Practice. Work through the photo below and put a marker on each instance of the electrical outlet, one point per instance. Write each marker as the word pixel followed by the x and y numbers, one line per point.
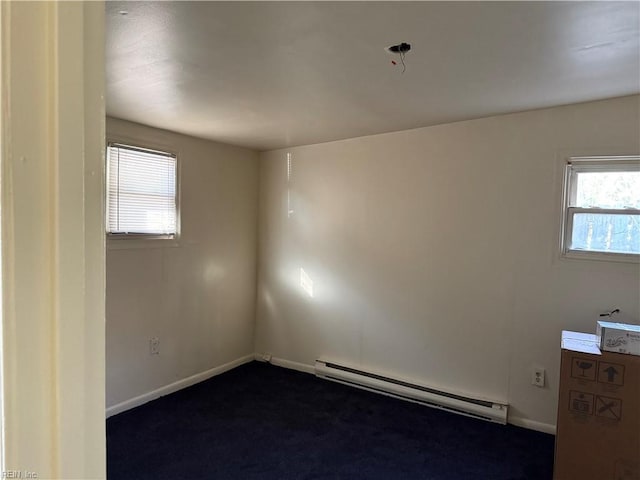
pixel 154 346
pixel 266 357
pixel 537 376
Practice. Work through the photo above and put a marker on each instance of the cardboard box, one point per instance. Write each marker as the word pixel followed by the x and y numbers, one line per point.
pixel 598 428
pixel 619 337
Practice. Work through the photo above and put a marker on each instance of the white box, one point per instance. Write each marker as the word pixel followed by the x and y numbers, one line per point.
pixel 580 342
pixel 619 337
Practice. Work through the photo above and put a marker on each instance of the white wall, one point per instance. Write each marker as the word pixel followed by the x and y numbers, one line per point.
pixel 433 252
pixel 198 297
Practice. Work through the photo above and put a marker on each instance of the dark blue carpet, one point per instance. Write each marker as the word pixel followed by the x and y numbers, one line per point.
pixel 263 422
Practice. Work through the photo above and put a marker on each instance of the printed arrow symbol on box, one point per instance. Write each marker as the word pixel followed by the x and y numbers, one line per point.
pixel 611 373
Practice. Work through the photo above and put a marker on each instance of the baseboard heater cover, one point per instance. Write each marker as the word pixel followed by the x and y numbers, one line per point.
pixel 472 407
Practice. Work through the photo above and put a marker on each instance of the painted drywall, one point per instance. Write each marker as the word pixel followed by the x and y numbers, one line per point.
pixel 53 265
pixel 197 297
pixel 434 252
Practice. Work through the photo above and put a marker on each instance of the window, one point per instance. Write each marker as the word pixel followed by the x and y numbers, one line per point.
pixel 602 208
pixel 141 192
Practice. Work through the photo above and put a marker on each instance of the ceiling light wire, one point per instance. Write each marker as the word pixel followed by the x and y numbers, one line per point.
pixel 400 50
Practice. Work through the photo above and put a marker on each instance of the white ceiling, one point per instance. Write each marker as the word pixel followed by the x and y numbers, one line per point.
pixel 275 74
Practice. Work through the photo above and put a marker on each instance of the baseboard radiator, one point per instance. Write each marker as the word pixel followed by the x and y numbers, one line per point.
pixel 472 407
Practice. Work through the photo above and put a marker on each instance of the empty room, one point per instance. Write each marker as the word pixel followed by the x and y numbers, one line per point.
pixel 321 240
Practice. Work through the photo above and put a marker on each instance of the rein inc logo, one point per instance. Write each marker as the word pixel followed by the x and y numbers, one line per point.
pixel 19 474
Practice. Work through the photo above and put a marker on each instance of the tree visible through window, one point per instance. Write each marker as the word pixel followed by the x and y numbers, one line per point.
pixel 602 206
pixel 141 192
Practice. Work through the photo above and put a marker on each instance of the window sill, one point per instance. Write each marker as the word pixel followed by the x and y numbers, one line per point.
pixel 602 256
pixel 135 242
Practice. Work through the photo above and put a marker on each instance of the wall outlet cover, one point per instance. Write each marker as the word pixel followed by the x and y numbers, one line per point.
pixel 537 377
pixel 154 346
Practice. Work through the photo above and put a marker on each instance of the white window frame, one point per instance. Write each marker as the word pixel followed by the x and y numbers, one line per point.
pixel 576 165
pixel 138 240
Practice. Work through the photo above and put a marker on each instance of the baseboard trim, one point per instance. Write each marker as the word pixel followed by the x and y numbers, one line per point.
pixel 175 386
pixel 281 362
pixel 302 367
pixel 532 425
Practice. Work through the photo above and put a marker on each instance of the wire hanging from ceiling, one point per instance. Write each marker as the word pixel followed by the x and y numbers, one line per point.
pixel 401 50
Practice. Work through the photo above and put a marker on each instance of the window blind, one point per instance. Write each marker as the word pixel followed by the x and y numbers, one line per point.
pixel 141 191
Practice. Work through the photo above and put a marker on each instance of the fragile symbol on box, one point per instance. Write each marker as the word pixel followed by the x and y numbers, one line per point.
pixel 581 402
pixel 608 407
pixel 583 369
